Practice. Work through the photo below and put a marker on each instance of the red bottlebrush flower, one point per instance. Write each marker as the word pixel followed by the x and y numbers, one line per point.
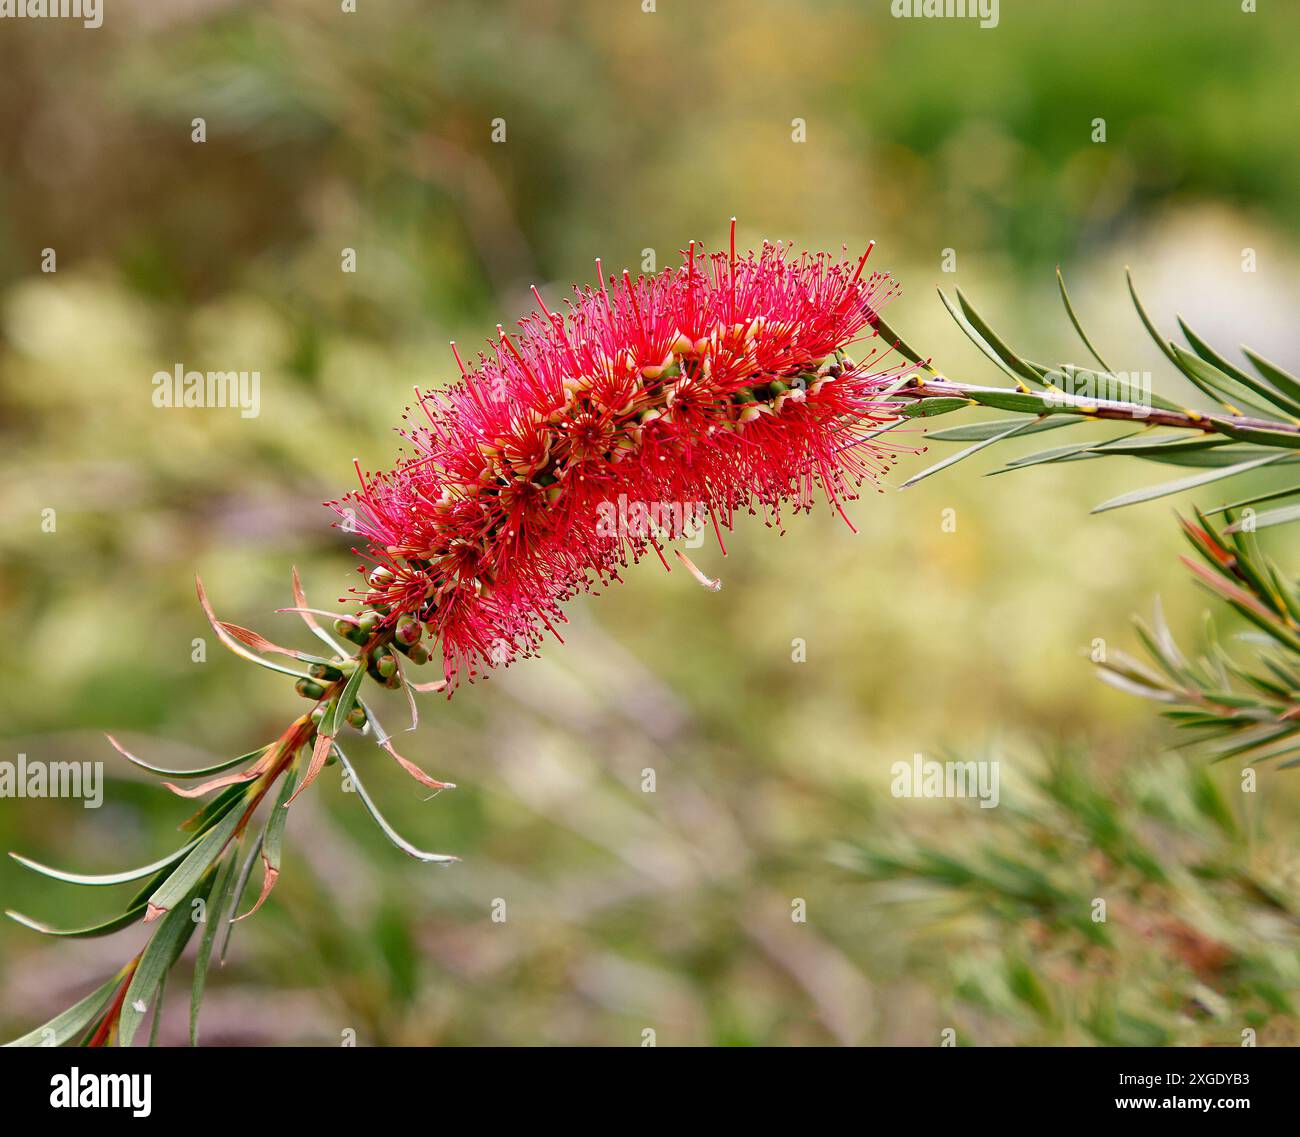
pixel 718 386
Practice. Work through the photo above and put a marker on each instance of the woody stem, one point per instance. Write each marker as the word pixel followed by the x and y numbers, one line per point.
pixel 1058 402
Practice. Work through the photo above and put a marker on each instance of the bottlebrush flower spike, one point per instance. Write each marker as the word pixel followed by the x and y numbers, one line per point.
pixel 718 386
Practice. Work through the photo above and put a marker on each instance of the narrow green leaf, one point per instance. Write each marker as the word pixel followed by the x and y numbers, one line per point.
pixel 1132 687
pixel 976 431
pixel 338 713
pixel 380 734
pixel 1282 380
pixel 1169 647
pixel 147 889
pixel 1251 564
pixel 1187 719
pixel 1278 439
pixel 389 832
pixel 1025 986
pixel 229 798
pixel 1283 589
pixel 1074 319
pixel 1087 449
pixel 1285 674
pixel 1256 499
pixel 1155 335
pixel 105 879
pixel 904 349
pixel 952 460
pixel 1124 664
pixel 213 919
pixel 237 893
pixel 234 644
pixel 200 772
pixel 1269 518
pixel 66 1026
pixel 159 955
pixel 1143 448
pixel 1019 365
pixel 1266 622
pixel 1027 402
pixel 1150 493
pixel 273 838
pixel 200 859
pixel 1201 450
pixel 158 1011
pixel 932 408
pixel 1212 458
pixel 975 338
pixel 1220 386
pixel 1261 684
pixel 1168 664
pixel 107 928
pixel 1089 386
pixel 1214 359
pixel 274 841
pixel 1244 741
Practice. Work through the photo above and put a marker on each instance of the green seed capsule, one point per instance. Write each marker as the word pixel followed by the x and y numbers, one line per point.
pixel 418 654
pixel 357 717
pixel 386 665
pixel 326 672
pixel 317 715
pixel 309 690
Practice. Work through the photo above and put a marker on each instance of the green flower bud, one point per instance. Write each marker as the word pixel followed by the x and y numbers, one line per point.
pixel 348 630
pixel 407 631
pixel 357 717
pixel 309 690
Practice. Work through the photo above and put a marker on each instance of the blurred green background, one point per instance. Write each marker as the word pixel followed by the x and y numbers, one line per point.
pixel 627 133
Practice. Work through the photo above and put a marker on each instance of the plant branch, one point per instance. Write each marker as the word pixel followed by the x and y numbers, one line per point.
pixel 202 870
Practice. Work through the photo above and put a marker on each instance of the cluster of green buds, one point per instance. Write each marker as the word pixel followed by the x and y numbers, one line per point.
pixel 378 655
pixel 322 689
